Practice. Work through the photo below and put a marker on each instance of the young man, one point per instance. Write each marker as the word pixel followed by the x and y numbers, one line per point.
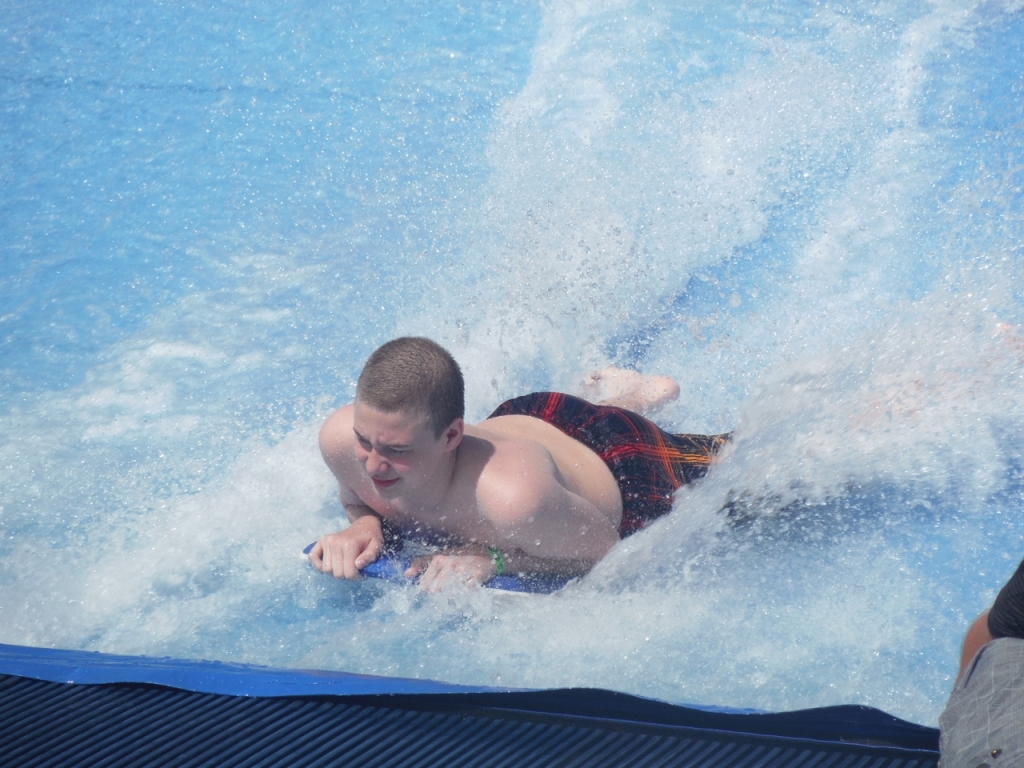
pixel 548 483
pixel 983 723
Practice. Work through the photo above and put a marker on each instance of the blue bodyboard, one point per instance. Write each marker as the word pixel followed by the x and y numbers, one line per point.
pixel 392 567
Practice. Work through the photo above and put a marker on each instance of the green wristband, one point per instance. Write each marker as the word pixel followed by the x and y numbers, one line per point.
pixel 498 558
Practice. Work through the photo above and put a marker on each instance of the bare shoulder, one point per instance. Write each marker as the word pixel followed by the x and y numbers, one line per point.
pixel 336 437
pixel 518 479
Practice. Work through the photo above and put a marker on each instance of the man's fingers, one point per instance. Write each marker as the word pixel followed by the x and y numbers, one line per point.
pixel 445 571
pixel 418 566
pixel 369 554
pixel 316 555
pixel 348 567
pixel 341 562
pixel 343 556
pixel 432 578
pixel 337 568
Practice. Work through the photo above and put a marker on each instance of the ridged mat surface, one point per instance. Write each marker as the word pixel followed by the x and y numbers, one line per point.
pixel 46 723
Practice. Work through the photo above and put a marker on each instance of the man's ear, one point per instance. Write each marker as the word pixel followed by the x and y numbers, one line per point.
pixel 453 434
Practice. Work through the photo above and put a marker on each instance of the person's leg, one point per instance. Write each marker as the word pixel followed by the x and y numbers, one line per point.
pixel 631 390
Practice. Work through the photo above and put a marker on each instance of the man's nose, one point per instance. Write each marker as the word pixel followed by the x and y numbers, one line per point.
pixel 374 462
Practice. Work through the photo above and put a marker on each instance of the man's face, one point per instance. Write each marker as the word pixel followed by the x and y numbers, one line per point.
pixel 398 450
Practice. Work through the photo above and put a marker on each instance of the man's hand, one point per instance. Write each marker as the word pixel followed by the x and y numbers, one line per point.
pixel 346 552
pixel 469 566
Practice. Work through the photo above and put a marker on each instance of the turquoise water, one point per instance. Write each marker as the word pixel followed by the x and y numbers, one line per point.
pixel 809 214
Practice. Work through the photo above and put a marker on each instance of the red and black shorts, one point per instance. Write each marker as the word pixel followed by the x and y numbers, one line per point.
pixel 648 463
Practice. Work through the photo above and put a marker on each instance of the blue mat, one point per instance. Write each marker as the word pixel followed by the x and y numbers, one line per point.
pixel 90 708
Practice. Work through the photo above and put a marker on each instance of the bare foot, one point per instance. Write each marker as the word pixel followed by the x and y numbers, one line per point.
pixel 631 390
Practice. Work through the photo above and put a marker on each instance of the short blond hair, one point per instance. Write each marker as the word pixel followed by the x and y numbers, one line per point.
pixel 414 373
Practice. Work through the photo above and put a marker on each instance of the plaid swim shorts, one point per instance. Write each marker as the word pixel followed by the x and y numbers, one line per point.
pixel 648 463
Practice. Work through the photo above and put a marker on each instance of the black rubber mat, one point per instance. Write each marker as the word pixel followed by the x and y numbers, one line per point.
pixel 132 724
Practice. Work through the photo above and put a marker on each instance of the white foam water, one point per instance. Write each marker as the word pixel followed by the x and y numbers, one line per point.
pixel 799 211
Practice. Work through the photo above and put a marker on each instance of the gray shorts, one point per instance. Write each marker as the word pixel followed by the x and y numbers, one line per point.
pixel 983 723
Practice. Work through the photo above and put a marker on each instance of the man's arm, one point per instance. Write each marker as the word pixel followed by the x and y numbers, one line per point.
pixel 549 523
pixel 1004 619
pixel 535 514
pixel 346 552
pixel 541 527
pixel 976 637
